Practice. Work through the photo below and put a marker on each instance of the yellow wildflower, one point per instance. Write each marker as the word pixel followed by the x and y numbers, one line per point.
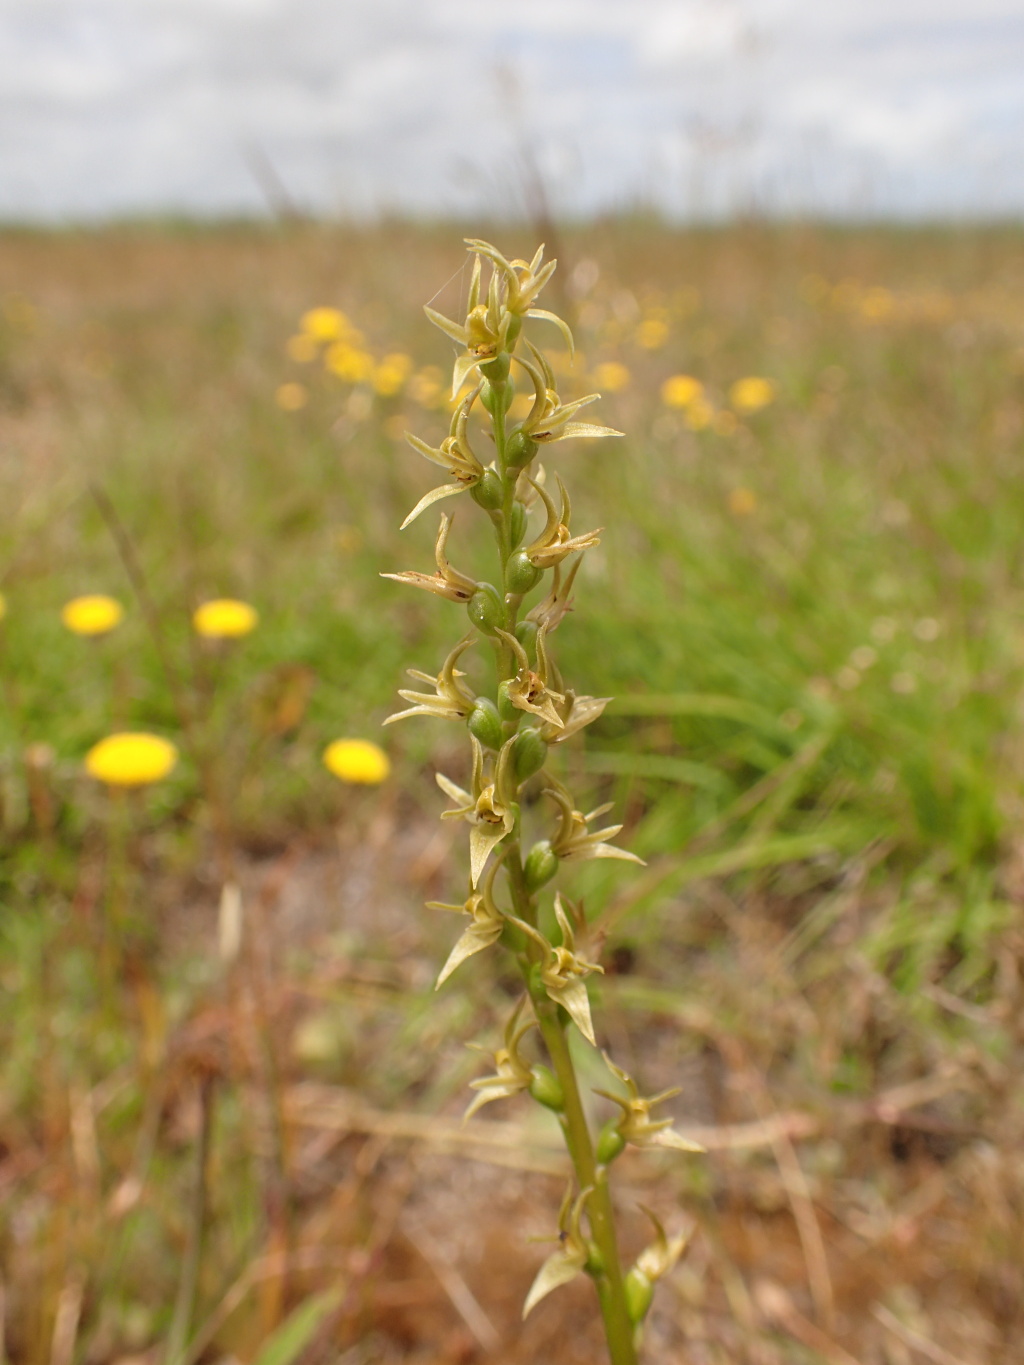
pixel 325 324
pixel 224 618
pixel 131 759
pixel 652 333
pixel 680 390
pixel 93 614
pixel 290 397
pixel 357 760
pixel 349 363
pixel 742 502
pixel 752 393
pixel 3 606
pixel 611 375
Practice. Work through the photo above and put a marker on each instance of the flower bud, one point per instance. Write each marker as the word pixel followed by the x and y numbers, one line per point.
pixel 507 709
pixel 486 609
pixel 489 492
pixel 526 634
pixel 639 1295
pixel 540 866
pixel 517 525
pixel 520 574
pixel 496 370
pixel 610 1143
pixel 546 1090
pixel 484 722
pixel 519 449
pixel 493 394
pixel 529 753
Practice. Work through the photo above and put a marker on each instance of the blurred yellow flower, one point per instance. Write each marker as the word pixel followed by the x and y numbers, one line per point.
pixel 699 414
pixel 349 363
pixel 877 304
pixel 131 759
pixel 291 397
pixel 680 390
pixel 742 502
pixel 357 760
pixel 611 376
pixel 427 387
pixel 325 324
pixel 652 334
pixel 752 393
pixel 302 348
pixel 3 606
pixel 390 375
pixel 224 618
pixel 93 614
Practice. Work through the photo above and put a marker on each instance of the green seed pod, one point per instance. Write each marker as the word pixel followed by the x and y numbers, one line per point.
pixel 519 450
pixel 520 574
pixel 526 634
pixel 546 1090
pixel 518 523
pixel 491 393
pixel 528 753
pixel 639 1295
pixel 515 326
pixel 496 370
pixel 489 492
pixel 486 609
pixel 595 1261
pixel 610 1143
pixel 540 866
pixel 484 722
pixel 506 708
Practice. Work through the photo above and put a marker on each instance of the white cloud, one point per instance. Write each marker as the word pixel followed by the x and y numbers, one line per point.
pixel 149 104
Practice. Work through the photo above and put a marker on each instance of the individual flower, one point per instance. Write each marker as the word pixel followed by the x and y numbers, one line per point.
pixel 131 759
pixel 571 1257
pixel 511 1074
pixel 529 690
pixel 574 713
pixel 554 542
pixel 325 324
pixel 449 701
pixel 680 390
pixel 488 810
pixel 485 928
pixel 574 840
pixel 552 611
pixel 390 375
pixel 447 582
pixel 93 614
pixel 752 393
pixel 612 375
pixel 349 362
pixel 454 454
pixel 357 761
pixel 652 333
pixel 563 971
pixel 550 419
pixel 636 1125
pixel 224 618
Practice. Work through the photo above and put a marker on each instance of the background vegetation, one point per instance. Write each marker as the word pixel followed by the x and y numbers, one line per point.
pixel 810 616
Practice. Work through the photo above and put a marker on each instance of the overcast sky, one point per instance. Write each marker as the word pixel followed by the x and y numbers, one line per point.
pixel 356 106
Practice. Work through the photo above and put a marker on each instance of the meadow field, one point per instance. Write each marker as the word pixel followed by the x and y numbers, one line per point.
pixel 230 1126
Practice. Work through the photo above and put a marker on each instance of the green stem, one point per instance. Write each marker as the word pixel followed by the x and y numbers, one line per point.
pixel 590 1175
